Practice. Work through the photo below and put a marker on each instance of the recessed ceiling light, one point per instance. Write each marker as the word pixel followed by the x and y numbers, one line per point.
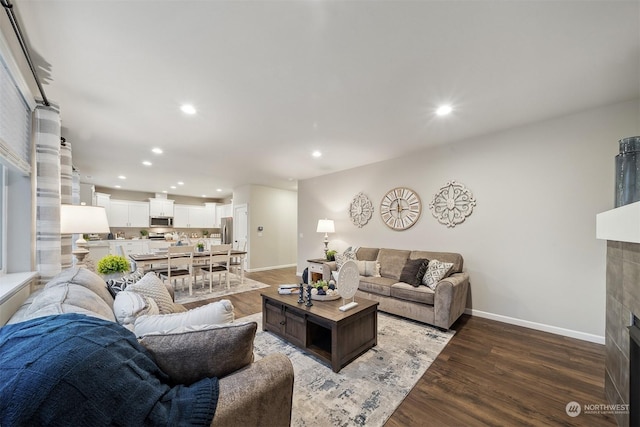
pixel 316 154
pixel 165 191
pixel 173 187
pixel 219 190
pixel 118 186
pixel 443 110
pixel 180 183
pixel 204 195
pixel 147 163
pixel 122 177
pixel 157 150
pixel 188 109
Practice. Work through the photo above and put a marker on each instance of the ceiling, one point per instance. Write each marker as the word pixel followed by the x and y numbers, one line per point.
pixel 272 81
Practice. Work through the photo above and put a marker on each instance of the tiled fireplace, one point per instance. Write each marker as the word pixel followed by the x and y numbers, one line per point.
pixel 623 302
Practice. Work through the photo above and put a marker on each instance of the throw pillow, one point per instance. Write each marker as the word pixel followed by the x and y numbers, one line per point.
pixel 422 270
pixel 188 354
pixel 344 257
pixel 85 278
pixel 215 313
pixel 130 305
pixel 410 272
pixel 119 285
pixel 436 271
pixel 369 268
pixel 151 285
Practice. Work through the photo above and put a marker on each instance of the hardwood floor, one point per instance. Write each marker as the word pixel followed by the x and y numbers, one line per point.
pixel 490 373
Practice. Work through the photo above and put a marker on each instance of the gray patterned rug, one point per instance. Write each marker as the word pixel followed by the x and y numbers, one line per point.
pixel 369 389
pixel 218 290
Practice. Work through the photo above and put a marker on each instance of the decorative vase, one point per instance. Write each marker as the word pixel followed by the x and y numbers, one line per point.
pixel 628 171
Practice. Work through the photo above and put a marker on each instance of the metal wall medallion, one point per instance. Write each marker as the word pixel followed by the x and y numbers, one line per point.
pixel 361 210
pixel 452 204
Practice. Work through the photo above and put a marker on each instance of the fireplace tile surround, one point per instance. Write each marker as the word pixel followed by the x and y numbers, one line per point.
pixel 623 302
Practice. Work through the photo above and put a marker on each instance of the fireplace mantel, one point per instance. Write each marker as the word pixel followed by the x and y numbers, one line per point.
pixel 620 224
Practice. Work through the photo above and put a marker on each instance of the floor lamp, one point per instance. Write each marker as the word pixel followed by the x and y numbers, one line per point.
pixel 81 220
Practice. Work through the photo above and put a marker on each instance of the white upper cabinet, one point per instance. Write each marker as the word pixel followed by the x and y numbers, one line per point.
pixel 161 208
pixel 188 216
pixel 123 213
pixel 223 211
pixel 210 215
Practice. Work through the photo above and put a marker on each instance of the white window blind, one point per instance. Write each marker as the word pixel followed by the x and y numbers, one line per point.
pixel 15 123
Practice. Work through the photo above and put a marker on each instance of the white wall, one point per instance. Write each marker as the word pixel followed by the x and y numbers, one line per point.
pixel 529 246
pixel 276 211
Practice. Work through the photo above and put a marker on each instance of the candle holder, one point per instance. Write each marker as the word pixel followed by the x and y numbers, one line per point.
pixel 301 294
pixel 309 303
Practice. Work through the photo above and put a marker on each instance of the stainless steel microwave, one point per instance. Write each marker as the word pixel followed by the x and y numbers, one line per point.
pixel 161 222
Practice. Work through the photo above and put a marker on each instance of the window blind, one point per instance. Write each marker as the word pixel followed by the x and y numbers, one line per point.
pixel 15 123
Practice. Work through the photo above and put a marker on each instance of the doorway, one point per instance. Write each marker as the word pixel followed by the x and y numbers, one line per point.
pixel 241 230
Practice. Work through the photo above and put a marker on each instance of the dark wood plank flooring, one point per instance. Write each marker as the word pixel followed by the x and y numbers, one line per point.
pixel 490 373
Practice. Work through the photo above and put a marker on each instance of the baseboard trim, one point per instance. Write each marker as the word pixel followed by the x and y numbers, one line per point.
pixel 272 267
pixel 537 326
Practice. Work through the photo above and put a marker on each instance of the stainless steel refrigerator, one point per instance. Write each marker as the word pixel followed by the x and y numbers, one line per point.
pixel 226 230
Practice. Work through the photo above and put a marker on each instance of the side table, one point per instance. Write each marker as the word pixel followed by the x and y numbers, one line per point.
pixel 316 269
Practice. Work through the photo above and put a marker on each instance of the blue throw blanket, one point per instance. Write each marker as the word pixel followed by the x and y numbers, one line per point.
pixel 76 370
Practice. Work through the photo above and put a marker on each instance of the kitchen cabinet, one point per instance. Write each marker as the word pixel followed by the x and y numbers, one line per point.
pixel 123 213
pixel 210 215
pixel 102 199
pixel 161 208
pixel 223 211
pixel 186 216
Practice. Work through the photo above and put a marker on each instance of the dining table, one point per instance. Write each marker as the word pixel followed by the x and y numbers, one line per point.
pixel 146 261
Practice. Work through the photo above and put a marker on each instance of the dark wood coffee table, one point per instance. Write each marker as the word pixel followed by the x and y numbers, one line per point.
pixel 334 336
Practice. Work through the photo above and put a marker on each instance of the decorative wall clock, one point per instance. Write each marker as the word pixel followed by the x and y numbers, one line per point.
pixel 452 204
pixel 361 210
pixel 400 208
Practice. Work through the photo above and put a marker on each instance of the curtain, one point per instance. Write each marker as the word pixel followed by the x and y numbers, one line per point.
pixel 66 197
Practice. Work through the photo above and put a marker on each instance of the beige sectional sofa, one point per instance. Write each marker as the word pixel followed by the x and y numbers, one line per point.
pixel 440 307
pixel 250 393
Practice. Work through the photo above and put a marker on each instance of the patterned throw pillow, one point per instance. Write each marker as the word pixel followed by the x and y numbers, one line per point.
pixel 151 285
pixel 342 258
pixel 369 268
pixel 119 285
pixel 436 271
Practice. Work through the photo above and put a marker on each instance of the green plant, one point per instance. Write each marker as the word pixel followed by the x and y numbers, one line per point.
pixel 113 264
pixel 144 233
pixel 200 245
pixel 205 233
pixel 331 255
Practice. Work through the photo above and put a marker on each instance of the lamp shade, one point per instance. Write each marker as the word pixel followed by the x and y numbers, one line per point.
pixel 325 226
pixel 83 219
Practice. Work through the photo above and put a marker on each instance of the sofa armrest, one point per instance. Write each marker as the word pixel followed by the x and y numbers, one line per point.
pixel 450 299
pixel 258 395
pixel 327 268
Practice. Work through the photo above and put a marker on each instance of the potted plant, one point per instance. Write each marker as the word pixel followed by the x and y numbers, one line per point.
pixel 144 234
pixel 205 233
pixel 200 246
pixel 112 266
pixel 331 255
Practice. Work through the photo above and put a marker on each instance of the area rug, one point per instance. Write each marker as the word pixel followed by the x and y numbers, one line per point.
pixel 369 389
pixel 218 290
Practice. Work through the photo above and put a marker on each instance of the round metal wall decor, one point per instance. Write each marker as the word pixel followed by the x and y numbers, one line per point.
pixel 452 204
pixel 361 210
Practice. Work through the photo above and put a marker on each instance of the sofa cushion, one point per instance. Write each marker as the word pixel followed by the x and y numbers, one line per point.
pixel 376 285
pixel 215 313
pixel 85 278
pixel 454 258
pixel 151 285
pixel 69 298
pixel 118 285
pixel 367 254
pixel 411 270
pixel 344 257
pixel 436 271
pixel 188 354
pixel 130 305
pixel 405 291
pixel 392 262
pixel 368 268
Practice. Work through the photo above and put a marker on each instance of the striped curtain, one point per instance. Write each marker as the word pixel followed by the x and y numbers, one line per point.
pixel 66 197
pixel 46 135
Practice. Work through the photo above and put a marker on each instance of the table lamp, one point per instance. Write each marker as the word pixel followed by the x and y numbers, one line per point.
pixel 81 220
pixel 326 226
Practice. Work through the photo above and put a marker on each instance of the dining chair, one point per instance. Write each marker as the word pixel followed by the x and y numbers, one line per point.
pixel 235 264
pixel 179 265
pixel 219 258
